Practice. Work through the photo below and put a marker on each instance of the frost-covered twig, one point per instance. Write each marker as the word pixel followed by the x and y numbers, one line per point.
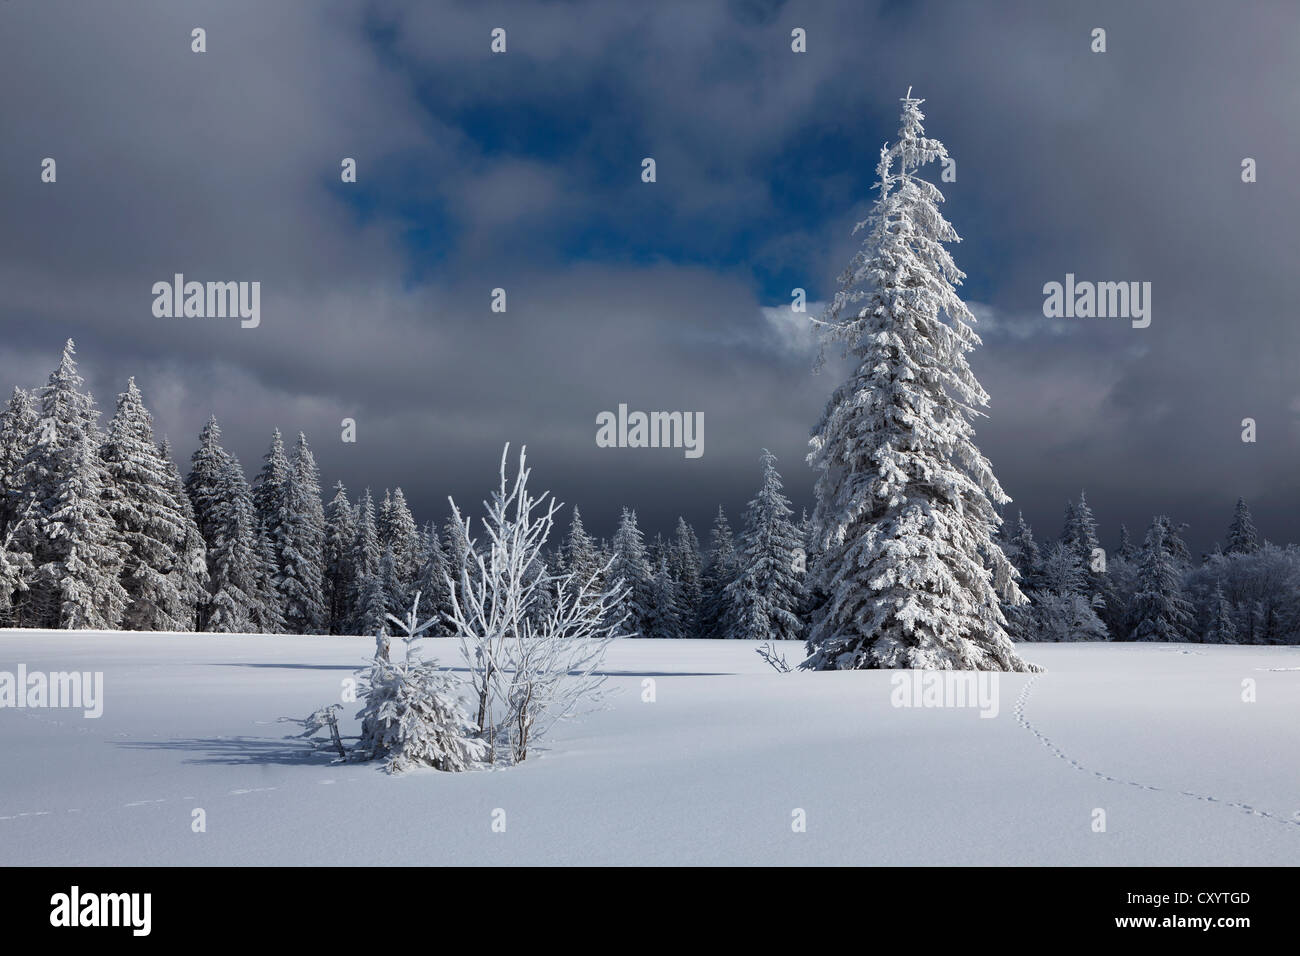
pixel 326 718
pixel 768 653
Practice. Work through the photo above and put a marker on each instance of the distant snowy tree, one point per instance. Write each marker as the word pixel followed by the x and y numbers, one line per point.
pixel 223 508
pixel 664 614
pixel 17 435
pixel 268 603
pixel 397 528
pixel 190 569
pixel 1261 592
pixel 1063 610
pixel 269 495
pixel 432 579
pixel 905 517
pixel 1022 551
pixel 75 553
pixel 1080 535
pixel 766 594
pixel 684 565
pixel 581 558
pixel 631 566
pixel 722 568
pixel 457 548
pixel 1242 536
pixel 150 521
pixel 1222 628
pixel 1160 611
pixel 301 581
pixel 340 533
pixel 1126 549
pixel 365 570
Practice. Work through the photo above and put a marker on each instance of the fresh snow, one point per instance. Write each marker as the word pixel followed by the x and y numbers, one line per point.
pixel 1156 735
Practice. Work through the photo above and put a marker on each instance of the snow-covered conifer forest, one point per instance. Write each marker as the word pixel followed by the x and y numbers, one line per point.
pixel 919 574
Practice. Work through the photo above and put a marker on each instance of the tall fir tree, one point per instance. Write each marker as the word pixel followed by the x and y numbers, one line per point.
pixel 69 535
pixel 722 568
pixel 1080 534
pixel 1063 609
pixel 1160 610
pixel 432 580
pixel 1222 628
pixel 1242 536
pixel 631 566
pixel 581 558
pixel 17 435
pixel 905 516
pixel 365 567
pixel 268 494
pixel 223 508
pixel 149 520
pixel 340 534
pixel 765 596
pixel 684 565
pixel 1022 551
pixel 664 614
pixel 301 581
pixel 398 530
pixel 191 568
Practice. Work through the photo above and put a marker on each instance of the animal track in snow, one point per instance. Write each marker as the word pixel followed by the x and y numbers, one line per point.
pixel 1019 713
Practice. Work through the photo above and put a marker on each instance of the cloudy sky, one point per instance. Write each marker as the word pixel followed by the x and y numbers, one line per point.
pixel 522 171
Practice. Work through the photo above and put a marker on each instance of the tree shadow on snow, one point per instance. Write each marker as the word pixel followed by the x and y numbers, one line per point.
pixel 239 751
pixel 298 667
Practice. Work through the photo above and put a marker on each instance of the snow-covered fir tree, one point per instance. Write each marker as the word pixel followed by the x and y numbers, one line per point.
pixel 411 715
pixel 432 579
pixel 1160 610
pixel 340 534
pixel 17 435
pixel 581 558
pixel 1080 534
pixel 684 565
pixel 631 566
pixel 268 494
pixel 301 530
pixel 191 567
pixel 223 508
pixel 268 606
pixel 1126 548
pixel 456 547
pixel 905 519
pixel 365 569
pixel 75 554
pixel 664 614
pixel 765 596
pixel 1242 536
pixel 151 523
pixel 1222 629
pixel 398 530
pixel 1063 610
pixel 1022 551
pixel 376 587
pixel 722 568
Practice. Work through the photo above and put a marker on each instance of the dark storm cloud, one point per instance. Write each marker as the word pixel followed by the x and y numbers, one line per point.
pixel 522 172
